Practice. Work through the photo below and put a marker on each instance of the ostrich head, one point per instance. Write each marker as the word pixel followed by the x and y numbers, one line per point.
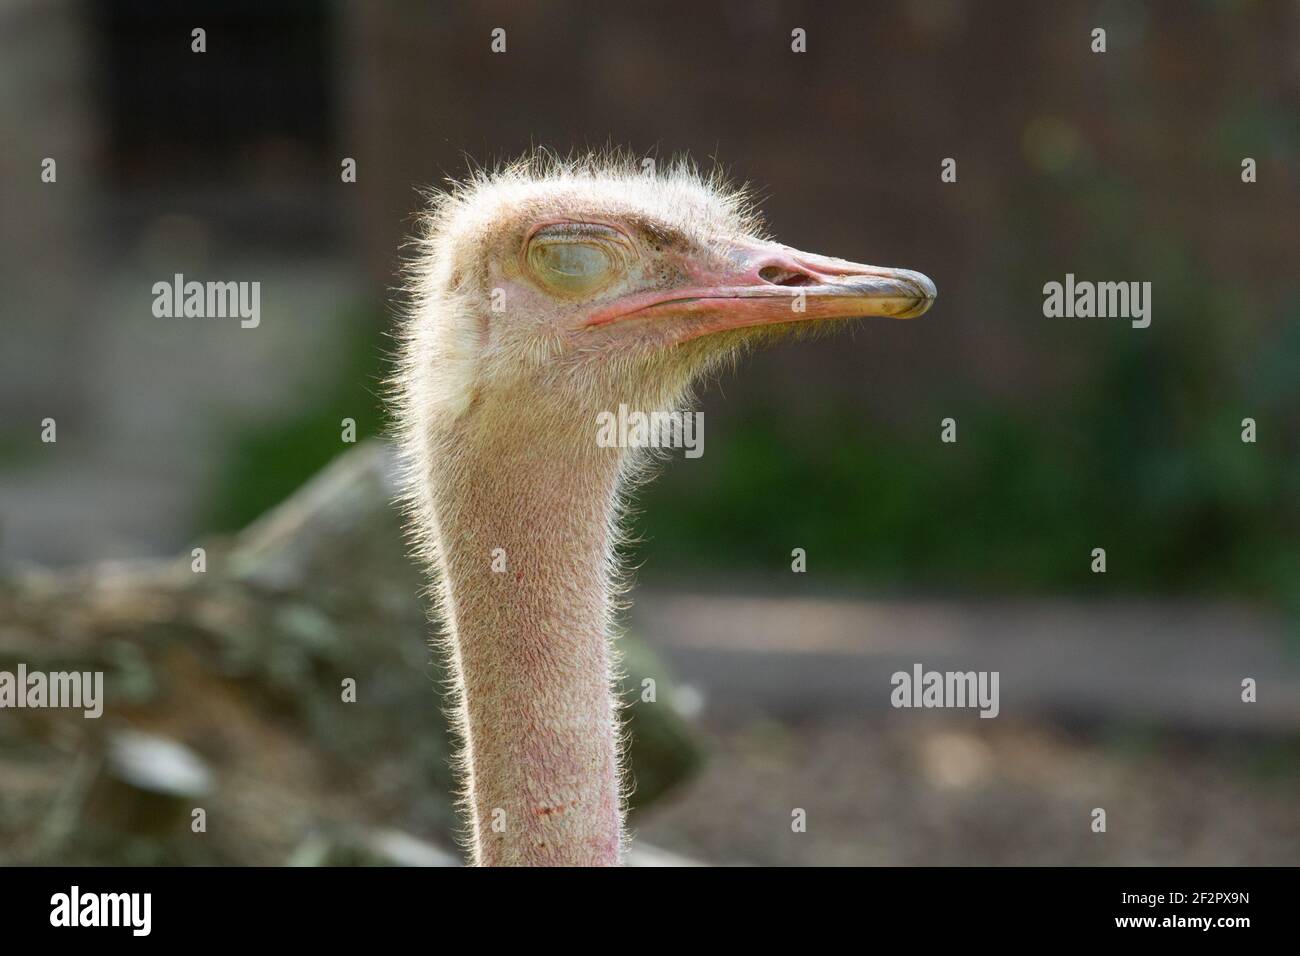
pixel 543 294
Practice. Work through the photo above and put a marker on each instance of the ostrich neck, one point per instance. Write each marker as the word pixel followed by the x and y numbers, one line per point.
pixel 523 522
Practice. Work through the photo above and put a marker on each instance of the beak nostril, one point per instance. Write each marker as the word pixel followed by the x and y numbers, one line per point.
pixel 778 276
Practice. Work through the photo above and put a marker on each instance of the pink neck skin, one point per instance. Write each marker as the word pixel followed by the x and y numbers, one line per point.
pixel 530 644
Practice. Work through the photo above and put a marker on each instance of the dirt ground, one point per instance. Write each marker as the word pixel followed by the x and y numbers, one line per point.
pixel 948 790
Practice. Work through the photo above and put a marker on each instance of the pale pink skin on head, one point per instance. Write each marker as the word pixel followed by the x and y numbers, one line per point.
pixel 543 295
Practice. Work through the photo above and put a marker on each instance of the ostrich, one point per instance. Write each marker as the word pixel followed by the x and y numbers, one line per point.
pixel 542 294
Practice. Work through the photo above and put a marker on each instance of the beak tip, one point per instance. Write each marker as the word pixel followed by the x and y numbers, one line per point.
pixel 926 293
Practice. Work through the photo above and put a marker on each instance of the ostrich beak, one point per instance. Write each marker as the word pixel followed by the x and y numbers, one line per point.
pixel 767 284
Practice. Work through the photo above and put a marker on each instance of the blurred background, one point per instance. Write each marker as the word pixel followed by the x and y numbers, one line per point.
pixel 1119 690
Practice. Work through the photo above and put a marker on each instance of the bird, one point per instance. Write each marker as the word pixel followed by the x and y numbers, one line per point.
pixel 539 294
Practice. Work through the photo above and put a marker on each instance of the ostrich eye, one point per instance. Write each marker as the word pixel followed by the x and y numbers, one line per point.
pixel 574 261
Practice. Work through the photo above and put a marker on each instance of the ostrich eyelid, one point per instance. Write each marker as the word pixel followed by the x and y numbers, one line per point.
pixel 624 249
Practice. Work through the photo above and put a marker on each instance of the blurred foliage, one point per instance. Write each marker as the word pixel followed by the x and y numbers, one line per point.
pixel 13 449
pixel 263 463
pixel 1146 460
pixel 1142 455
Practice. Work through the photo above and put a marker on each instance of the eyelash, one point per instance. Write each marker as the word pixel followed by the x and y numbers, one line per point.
pixel 578 230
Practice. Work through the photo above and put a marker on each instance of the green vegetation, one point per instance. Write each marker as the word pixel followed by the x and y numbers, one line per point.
pixel 1145 460
pixel 262 465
